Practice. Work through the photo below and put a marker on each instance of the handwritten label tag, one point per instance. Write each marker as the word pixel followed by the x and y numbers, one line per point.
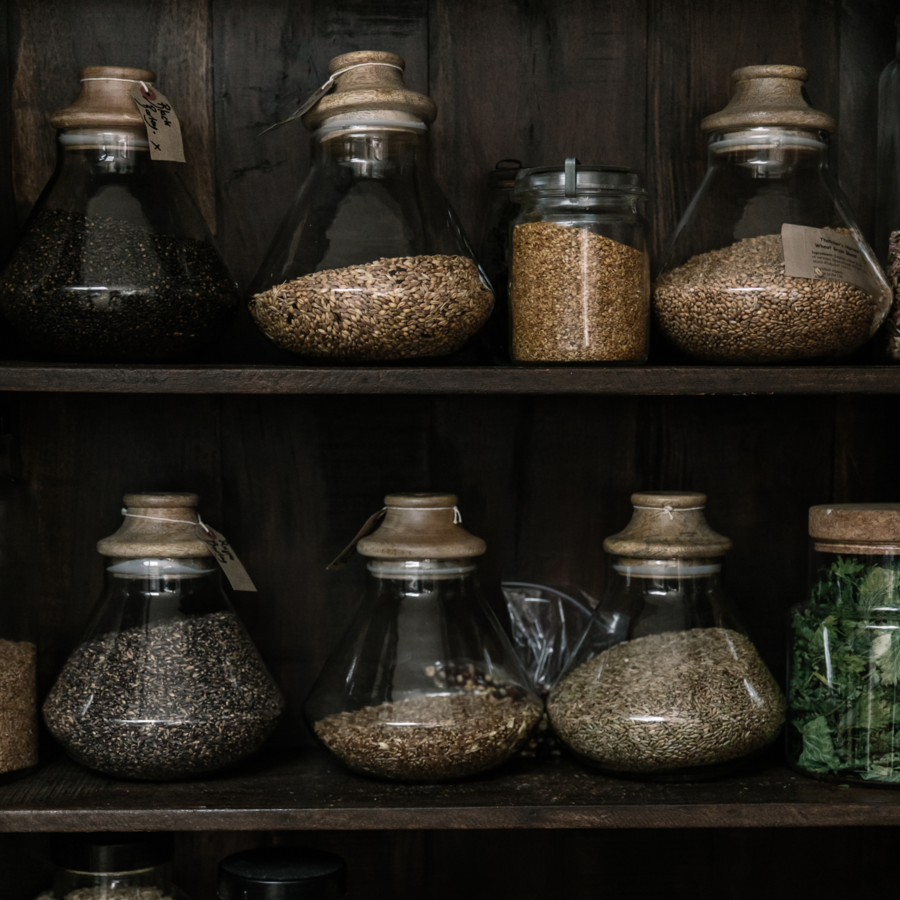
pixel 826 255
pixel 163 127
pixel 226 558
pixel 343 557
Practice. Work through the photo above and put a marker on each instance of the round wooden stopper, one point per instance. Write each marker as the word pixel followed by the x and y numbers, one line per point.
pixel 157 525
pixel 872 528
pixel 420 526
pixel 375 91
pixel 104 103
pixel 768 95
pixel 668 525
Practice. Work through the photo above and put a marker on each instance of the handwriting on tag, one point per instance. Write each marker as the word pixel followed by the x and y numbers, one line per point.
pixel 163 127
pixel 227 559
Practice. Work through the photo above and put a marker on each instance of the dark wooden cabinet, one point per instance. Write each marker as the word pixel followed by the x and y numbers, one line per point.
pixel 289 461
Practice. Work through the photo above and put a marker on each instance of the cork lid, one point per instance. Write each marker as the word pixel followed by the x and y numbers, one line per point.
pixel 421 526
pixel 105 99
pixel 152 528
pixel 768 95
pixel 372 88
pixel 855 527
pixel 668 525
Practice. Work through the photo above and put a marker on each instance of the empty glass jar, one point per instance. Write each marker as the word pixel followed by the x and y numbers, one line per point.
pixel 165 682
pixel 423 685
pixel 665 684
pixel 579 289
pixel 370 262
pixel 281 873
pixel 844 660
pixel 767 264
pixel 115 263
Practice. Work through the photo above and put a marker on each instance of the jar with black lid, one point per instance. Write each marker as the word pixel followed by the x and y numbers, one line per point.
pixel 282 873
pixel 116 263
pixel 108 866
pixel 579 289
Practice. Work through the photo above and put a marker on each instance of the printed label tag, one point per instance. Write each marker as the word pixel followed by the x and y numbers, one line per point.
pixel 343 557
pixel 825 255
pixel 163 127
pixel 233 568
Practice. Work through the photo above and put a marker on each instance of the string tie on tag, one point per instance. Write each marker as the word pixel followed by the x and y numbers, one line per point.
pixel 457 515
pixel 132 515
pixel 670 510
pixel 126 80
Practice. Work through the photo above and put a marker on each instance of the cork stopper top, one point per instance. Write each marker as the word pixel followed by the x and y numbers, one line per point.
pixel 105 99
pixel 421 526
pixel 157 525
pixel 765 96
pixel 668 525
pixel 371 88
pixel 856 527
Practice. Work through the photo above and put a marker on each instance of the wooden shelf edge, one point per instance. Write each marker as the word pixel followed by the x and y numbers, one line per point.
pixel 623 380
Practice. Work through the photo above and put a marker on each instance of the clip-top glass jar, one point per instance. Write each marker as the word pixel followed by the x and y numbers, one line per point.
pixel 423 685
pixel 844 659
pixel 767 264
pixel 165 683
pixel 370 262
pixel 579 289
pixel 107 866
pixel 665 684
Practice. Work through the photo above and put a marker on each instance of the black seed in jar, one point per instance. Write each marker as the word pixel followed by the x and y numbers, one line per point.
pixel 163 701
pixel 99 289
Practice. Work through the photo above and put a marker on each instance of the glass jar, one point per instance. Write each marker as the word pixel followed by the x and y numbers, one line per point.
pixel 370 263
pixel 767 264
pixel 423 685
pixel 107 866
pixel 281 873
pixel 494 253
pixel 579 287
pixel 887 202
pixel 165 682
pixel 844 658
pixel 665 684
pixel 115 263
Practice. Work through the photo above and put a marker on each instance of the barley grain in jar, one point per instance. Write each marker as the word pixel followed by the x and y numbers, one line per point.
pixel 579 284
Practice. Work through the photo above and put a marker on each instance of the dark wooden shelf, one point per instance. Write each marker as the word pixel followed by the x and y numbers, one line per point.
pixel 635 380
pixel 310 791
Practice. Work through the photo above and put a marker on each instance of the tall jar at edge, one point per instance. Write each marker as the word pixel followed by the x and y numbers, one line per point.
pixel 665 684
pixel 116 263
pixel 767 264
pixel 423 685
pixel 370 262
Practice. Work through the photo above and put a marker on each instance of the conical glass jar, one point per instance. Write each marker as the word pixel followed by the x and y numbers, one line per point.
pixel 844 655
pixel 666 684
pixel 767 264
pixel 423 685
pixel 370 262
pixel 116 263
pixel 165 683
pixel 108 866
pixel 887 198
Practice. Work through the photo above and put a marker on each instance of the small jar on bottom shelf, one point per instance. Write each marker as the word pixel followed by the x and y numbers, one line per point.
pixel 281 873
pixel 844 656
pixel 423 685
pixel 107 866
pixel 665 684
pixel 579 289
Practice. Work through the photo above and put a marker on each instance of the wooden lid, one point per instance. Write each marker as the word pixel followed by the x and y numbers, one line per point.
pixel 105 103
pixel 148 529
pixel 375 92
pixel 768 95
pixel 668 525
pixel 421 526
pixel 856 527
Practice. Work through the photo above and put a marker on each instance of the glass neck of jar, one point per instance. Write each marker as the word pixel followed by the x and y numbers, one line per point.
pixel 610 201
pixel 649 571
pixel 769 152
pixel 117 883
pixel 370 150
pixel 107 151
pixel 153 571
pixel 413 570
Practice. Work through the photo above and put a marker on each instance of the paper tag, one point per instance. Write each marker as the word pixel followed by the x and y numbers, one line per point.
pixel 226 558
pixel 825 255
pixel 343 557
pixel 163 127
